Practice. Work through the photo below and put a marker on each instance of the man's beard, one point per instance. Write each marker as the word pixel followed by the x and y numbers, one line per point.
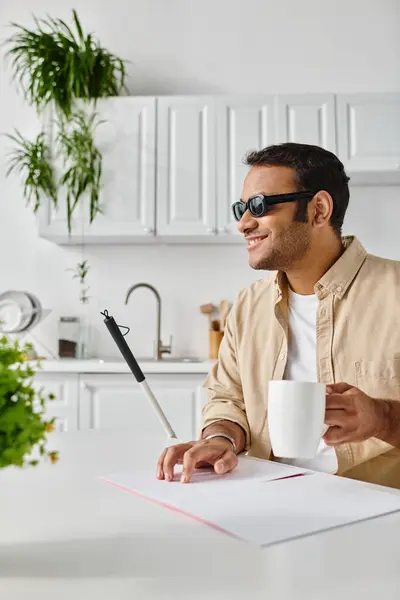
pixel 289 247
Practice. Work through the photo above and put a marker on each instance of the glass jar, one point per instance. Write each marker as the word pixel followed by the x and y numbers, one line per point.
pixel 68 337
pixel 84 344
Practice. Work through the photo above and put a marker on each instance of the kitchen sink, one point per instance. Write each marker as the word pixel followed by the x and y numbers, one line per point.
pixel 151 359
pixel 174 359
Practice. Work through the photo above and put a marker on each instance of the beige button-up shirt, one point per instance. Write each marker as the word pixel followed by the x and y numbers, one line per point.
pixel 358 342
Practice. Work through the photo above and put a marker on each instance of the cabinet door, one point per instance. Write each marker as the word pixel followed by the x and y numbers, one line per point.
pixel 243 124
pixel 185 166
pixel 64 408
pixel 369 132
pixel 307 119
pixel 126 141
pixel 117 402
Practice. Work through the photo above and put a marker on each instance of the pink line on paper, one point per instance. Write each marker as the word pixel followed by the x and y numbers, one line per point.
pixel 289 476
pixel 174 508
pixel 183 512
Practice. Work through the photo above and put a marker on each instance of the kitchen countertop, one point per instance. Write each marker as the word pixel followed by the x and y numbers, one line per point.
pixel 115 365
pixel 66 534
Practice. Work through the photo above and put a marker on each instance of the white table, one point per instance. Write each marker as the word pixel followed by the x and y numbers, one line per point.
pixel 64 534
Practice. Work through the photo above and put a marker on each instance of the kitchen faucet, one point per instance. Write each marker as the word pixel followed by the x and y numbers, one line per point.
pixel 159 348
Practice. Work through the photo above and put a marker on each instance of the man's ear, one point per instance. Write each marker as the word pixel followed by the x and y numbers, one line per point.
pixel 322 208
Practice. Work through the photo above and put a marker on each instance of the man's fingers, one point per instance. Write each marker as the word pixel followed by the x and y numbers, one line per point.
pixel 335 435
pixel 338 402
pixel 193 457
pixel 339 435
pixel 226 463
pixel 338 388
pixel 160 465
pixel 173 455
pixel 223 460
pixel 336 417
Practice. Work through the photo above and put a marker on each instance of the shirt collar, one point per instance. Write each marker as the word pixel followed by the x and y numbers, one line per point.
pixel 341 274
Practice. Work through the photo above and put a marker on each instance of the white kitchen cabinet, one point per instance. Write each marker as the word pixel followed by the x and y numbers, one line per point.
pixel 243 123
pixel 65 387
pixel 369 135
pixel 173 166
pixel 113 401
pixel 306 119
pixel 127 142
pixel 186 190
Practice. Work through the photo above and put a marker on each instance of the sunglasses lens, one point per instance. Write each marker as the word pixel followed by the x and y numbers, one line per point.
pixel 257 206
pixel 239 209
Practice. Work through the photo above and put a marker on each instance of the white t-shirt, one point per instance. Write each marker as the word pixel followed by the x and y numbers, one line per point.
pixel 302 366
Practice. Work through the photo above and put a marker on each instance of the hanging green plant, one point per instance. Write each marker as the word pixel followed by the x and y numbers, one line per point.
pixel 82 161
pixel 31 159
pixel 54 64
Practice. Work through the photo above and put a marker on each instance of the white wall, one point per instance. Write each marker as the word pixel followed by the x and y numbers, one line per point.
pixel 189 47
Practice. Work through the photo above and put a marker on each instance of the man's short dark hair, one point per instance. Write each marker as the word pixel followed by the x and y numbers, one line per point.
pixel 316 169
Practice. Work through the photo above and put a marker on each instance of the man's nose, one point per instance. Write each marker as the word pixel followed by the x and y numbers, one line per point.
pixel 247 223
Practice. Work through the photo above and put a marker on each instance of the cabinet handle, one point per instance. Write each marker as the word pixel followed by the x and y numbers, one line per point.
pixel 85 385
pixel 148 230
pixel 212 231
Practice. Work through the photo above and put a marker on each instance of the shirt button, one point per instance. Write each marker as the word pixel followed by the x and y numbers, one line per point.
pixel 323 312
pixel 339 288
pixel 282 356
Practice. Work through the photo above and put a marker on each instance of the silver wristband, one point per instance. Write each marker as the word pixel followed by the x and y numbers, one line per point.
pixel 223 435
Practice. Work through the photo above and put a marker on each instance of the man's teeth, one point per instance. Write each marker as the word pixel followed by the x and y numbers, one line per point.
pixel 254 241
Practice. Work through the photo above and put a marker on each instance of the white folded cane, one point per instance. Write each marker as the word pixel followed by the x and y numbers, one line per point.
pixel 131 361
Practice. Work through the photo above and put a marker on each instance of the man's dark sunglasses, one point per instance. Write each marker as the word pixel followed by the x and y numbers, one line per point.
pixel 258 205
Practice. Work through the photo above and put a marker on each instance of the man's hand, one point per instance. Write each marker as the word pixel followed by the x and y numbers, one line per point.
pixel 216 452
pixel 352 416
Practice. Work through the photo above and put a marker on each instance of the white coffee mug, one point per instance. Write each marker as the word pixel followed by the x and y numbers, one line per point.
pixel 296 414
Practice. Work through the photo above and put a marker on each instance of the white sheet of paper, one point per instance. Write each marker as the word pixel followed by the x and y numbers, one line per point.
pixel 262 502
pixel 248 469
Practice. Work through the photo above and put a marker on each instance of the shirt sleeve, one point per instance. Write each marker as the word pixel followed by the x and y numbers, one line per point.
pixel 223 385
pixel 355 454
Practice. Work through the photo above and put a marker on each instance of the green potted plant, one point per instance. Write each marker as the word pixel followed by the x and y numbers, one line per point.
pixel 53 64
pixel 23 425
pixel 80 272
pixel 61 67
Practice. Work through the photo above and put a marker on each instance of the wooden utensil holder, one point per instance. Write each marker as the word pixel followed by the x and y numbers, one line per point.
pixel 214 338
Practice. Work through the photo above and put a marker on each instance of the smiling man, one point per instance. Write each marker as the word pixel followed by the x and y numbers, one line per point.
pixel 328 312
